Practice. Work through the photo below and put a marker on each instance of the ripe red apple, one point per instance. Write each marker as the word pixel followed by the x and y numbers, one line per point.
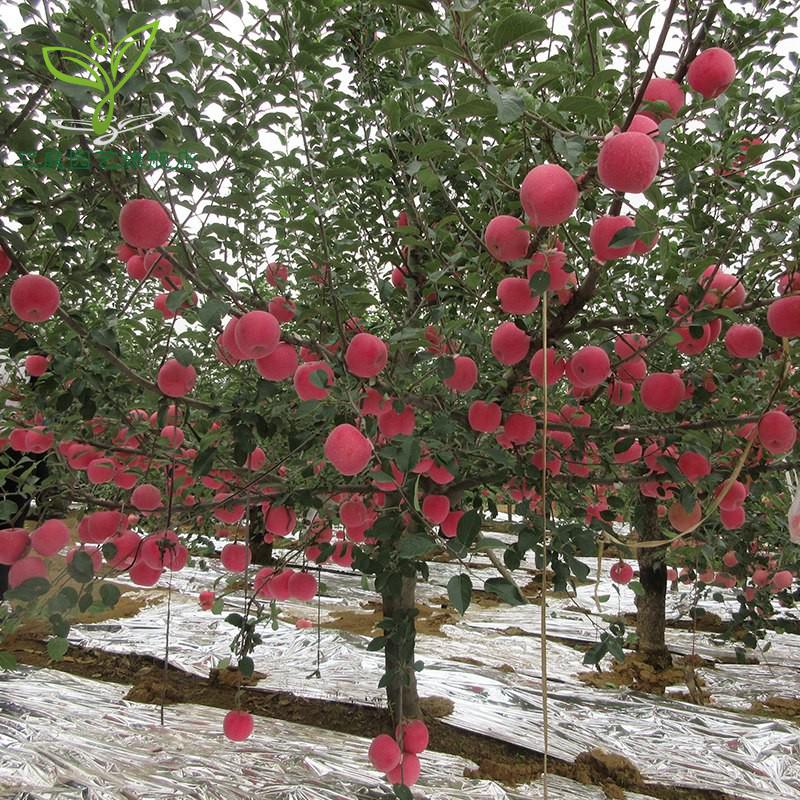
pixel 238 725
pixel 515 296
pixel 36 365
pixel 519 428
pixel 235 557
pixel 712 72
pixel 279 365
pixel 549 195
pixel 26 568
pixel 144 223
pixel 50 537
pixel 302 586
pixel 405 773
pixel 509 343
pixel 505 239
pixel 783 316
pixel 643 124
pixel 484 417
pixel 662 392
pixel 277 274
pixel 14 545
pixel 34 298
pixel 384 753
pixel 694 466
pixel 465 375
pixel 556 366
pixel 348 449
pixel 628 162
pixel 589 367
pixel 306 389
pixel 621 573
pixel 176 380
pixel 620 393
pixel 603 231
pixel 257 334
pixel 683 520
pixel 282 308
pixel 776 432
pixel 744 341
pixel 667 91
pixel 366 355
pixel 435 508
pixel 146 497
pixel 5 263
pixel 414 734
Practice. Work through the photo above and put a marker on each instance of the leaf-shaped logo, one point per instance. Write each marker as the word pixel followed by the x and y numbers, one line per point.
pixel 99 80
pixel 103 82
pixel 122 47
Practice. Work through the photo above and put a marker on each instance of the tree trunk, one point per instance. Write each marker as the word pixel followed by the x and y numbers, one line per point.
pixel 651 604
pixel 401 678
pixel 260 551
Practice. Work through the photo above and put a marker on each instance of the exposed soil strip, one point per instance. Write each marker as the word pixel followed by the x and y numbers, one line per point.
pixel 499 761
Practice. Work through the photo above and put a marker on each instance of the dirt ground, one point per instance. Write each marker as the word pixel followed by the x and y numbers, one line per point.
pixel 636 673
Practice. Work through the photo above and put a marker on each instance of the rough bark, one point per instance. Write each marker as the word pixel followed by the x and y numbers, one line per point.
pixel 260 551
pixel 651 604
pixel 401 684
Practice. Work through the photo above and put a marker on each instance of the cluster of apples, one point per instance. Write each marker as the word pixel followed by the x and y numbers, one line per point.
pixel 398 757
pixel 146 227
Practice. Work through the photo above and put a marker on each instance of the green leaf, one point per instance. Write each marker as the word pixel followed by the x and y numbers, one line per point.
pixel 29 590
pixel 636 588
pixel 477 107
pixel 246 666
pixel 8 660
pixel 109 594
pixel 445 367
pixel 202 464
pixel 540 282
pixel 184 356
pixel 459 591
pixel 59 625
pixel 583 106
pixel 505 590
pixel 378 643
pixel 407 39
pixel 81 569
pixel 211 313
pixel 402 792
pixel 469 526
pixel 409 454
pixel 625 237
pixel 615 649
pixel 319 378
pixel 673 338
pixel 414 545
pixel 412 5
pixel 66 599
pixel 516 27
pixel 488 543
pixel 510 104
pixel 623 444
pixel 57 648
pixel 433 149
